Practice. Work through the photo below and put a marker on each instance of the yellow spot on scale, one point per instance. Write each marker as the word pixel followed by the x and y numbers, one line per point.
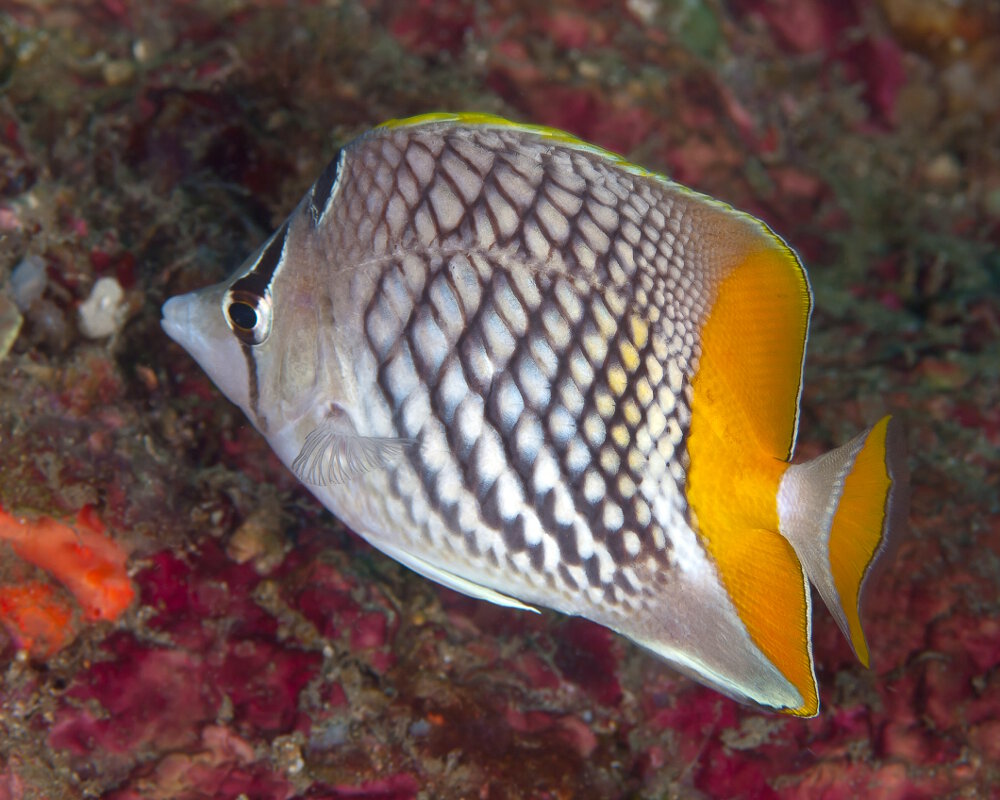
pixel 642 512
pixel 630 356
pixel 619 434
pixel 643 391
pixel 660 348
pixel 626 486
pixel 604 402
pixel 665 448
pixel 643 441
pixel 639 330
pixel 659 538
pixel 593 429
pixel 617 303
pixel 666 399
pixel 631 412
pixel 636 460
pixel 606 324
pixel 617 379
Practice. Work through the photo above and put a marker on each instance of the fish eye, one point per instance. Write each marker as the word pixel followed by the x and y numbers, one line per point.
pixel 249 316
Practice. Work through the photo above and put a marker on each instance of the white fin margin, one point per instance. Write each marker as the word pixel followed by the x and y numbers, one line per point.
pixel 330 456
pixel 451 580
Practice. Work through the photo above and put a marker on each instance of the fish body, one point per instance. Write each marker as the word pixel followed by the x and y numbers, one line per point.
pixel 543 376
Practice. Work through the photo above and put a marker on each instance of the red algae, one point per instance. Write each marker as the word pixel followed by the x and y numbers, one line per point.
pixel 222 766
pixel 320 669
pixel 146 696
pixel 587 655
pixel 396 787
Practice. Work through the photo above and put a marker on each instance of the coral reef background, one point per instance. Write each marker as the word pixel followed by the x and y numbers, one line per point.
pixel 268 652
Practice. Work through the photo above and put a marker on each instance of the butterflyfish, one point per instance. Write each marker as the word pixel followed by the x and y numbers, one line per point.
pixel 541 375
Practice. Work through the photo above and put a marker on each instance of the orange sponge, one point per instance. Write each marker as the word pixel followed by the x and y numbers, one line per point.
pixel 80 556
pixel 36 618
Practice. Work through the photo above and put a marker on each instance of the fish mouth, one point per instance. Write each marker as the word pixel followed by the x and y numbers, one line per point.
pixel 176 319
pixel 184 320
pixel 194 321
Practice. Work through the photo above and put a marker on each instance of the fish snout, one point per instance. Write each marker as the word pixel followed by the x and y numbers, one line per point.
pixel 176 317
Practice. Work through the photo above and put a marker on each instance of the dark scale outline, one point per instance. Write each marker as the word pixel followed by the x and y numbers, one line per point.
pixel 381 219
pixel 448 512
pixel 408 235
pixel 563 535
pixel 602 266
pixel 430 383
pixel 582 282
pixel 491 411
pixel 565 250
pixel 490 180
pixel 530 213
pixel 423 198
pixel 389 153
pixel 614 539
pixel 453 188
pixel 450 141
pixel 502 191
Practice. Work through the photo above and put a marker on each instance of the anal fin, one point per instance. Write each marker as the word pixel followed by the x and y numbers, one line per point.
pixel 451 580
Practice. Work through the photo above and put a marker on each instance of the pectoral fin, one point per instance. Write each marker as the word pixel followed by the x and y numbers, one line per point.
pixel 331 455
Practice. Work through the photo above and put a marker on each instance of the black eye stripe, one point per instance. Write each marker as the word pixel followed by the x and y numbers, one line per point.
pixel 257 281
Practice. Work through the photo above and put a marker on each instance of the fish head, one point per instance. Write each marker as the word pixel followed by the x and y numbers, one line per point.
pixel 262 336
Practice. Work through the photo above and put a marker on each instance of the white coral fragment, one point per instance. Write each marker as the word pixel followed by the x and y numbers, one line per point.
pixel 102 314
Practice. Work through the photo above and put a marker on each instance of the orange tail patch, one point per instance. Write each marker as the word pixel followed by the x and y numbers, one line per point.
pixel 842 512
pixel 868 518
pixel 744 415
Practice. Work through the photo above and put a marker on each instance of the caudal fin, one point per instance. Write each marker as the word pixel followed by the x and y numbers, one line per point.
pixel 842 513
